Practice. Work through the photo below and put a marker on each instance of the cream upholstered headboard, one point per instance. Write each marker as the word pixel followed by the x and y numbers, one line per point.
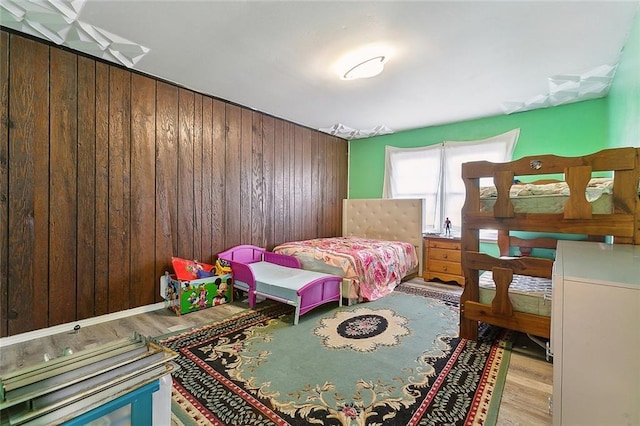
pixel 385 219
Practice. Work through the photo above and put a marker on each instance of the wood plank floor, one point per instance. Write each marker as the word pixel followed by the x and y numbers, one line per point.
pixel 524 401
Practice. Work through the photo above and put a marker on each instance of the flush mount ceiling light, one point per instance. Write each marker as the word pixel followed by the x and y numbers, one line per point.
pixel 369 68
pixel 364 62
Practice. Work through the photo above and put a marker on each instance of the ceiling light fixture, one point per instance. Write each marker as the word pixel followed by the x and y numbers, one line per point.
pixel 366 69
pixel 364 62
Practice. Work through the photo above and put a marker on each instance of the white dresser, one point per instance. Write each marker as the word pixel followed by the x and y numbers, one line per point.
pixel 595 334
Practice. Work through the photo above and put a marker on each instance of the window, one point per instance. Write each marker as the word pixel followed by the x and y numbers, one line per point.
pixel 435 173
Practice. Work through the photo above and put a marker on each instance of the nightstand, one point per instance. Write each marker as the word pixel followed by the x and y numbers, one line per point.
pixel 442 259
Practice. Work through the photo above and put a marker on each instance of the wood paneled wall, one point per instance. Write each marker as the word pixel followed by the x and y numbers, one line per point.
pixel 106 173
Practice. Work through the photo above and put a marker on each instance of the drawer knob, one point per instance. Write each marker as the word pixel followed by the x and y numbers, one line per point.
pixel 444 256
pixel 444 268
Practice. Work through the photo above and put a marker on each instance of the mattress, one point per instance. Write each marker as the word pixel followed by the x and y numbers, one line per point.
pixel 551 197
pixel 527 294
pixel 374 267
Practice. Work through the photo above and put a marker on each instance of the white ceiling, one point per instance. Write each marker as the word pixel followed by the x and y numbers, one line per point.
pixel 451 61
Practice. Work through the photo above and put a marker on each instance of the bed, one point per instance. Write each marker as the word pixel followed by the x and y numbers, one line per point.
pixel 550 196
pixel 613 213
pixel 526 293
pixel 381 245
pixel 280 277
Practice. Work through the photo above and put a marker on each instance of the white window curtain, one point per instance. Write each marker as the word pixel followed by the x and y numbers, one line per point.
pixel 414 173
pixel 435 173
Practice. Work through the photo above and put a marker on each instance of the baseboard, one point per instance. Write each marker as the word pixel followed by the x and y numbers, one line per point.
pixel 43 332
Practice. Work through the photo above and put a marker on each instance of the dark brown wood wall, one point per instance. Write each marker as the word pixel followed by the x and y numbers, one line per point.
pixel 106 173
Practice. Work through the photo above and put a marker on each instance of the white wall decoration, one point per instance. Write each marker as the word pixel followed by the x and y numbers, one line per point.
pixel 57 21
pixel 565 89
pixel 345 132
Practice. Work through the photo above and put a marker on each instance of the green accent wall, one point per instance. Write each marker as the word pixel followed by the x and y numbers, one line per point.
pixel 624 96
pixel 567 130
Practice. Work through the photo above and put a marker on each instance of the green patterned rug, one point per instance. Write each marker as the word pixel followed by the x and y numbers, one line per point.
pixel 394 361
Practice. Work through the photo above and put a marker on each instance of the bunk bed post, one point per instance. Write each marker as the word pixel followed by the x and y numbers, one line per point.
pixel 577 206
pixel 635 206
pixel 636 226
pixel 504 242
pixel 470 241
pixel 503 179
pixel 501 305
pixel 625 203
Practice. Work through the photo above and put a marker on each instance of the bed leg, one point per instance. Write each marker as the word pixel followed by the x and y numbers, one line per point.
pixel 252 298
pixel 468 329
pixel 297 314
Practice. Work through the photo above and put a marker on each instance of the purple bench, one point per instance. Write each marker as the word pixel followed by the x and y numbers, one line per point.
pixel 280 277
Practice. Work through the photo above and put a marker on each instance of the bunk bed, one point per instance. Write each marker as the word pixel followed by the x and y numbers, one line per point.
pixel 617 216
pixel 528 294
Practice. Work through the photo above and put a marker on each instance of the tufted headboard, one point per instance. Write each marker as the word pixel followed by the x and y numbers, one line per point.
pixel 385 219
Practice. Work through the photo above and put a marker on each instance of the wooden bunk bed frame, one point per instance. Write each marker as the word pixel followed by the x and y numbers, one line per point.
pixel 623 224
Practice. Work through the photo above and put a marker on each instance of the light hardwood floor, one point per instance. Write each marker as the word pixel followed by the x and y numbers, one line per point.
pixel 524 401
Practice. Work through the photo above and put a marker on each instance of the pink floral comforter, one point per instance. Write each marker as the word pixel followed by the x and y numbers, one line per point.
pixel 374 267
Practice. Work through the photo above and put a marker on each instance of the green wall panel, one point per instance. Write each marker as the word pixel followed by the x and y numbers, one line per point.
pixel 624 96
pixel 568 130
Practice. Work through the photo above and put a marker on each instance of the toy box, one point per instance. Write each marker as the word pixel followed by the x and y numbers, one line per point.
pixel 184 296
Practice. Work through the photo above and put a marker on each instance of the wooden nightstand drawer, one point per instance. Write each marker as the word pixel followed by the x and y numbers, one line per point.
pixel 446 267
pixel 445 244
pixel 442 259
pixel 443 254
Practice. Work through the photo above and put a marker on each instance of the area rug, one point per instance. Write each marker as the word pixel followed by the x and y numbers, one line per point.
pixel 393 361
